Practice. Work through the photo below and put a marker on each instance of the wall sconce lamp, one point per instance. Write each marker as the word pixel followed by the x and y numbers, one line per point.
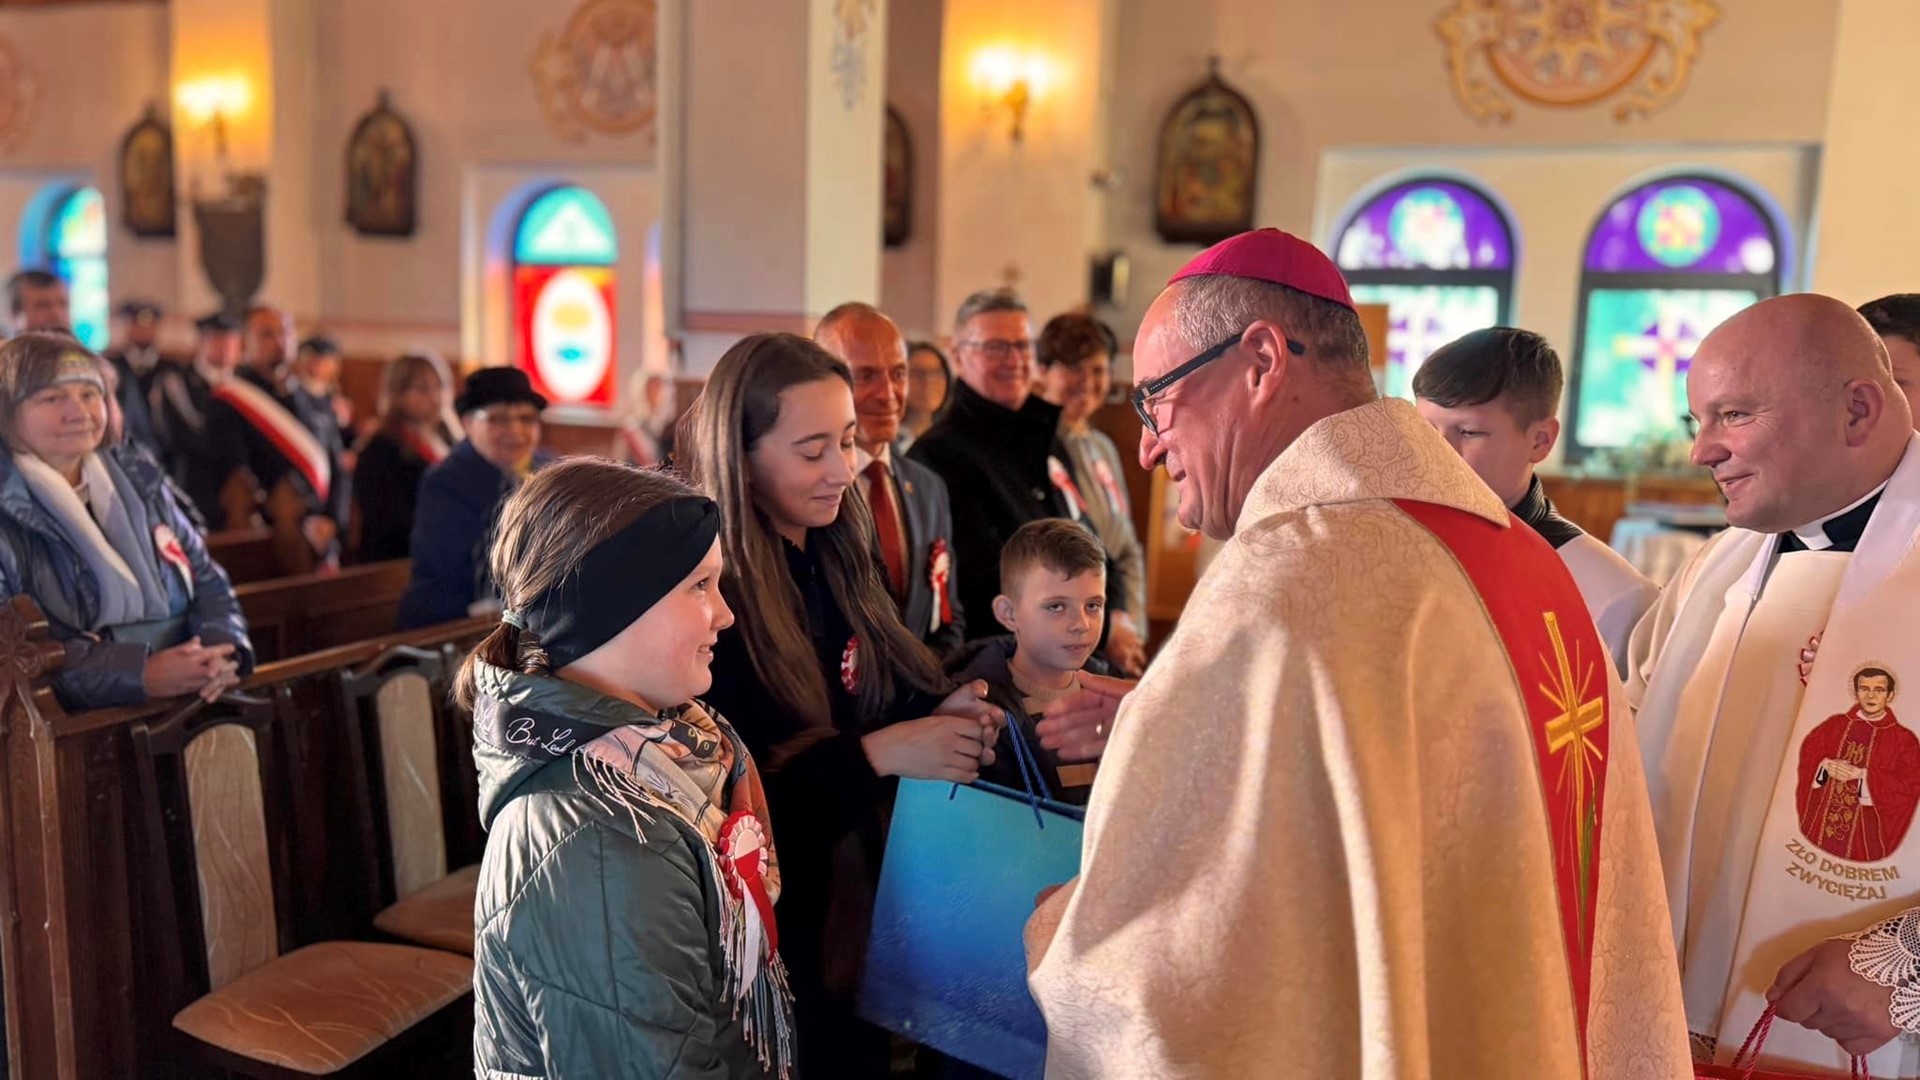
pixel 232 226
pixel 1011 79
pixel 208 103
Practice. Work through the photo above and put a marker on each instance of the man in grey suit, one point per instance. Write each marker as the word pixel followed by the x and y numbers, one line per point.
pixel 911 515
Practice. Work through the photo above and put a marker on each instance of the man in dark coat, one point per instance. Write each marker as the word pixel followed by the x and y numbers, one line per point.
pixel 997 447
pixel 200 456
pixel 460 497
pixel 134 362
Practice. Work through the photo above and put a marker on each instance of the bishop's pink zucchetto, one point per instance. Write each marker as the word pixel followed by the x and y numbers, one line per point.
pixel 1271 255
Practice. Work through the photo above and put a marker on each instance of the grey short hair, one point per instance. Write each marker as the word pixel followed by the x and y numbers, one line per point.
pixel 1209 308
pixel 986 302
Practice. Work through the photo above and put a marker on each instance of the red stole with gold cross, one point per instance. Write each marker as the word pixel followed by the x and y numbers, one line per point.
pixel 1557 659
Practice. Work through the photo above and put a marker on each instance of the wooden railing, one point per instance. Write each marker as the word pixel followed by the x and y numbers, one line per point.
pixel 71 943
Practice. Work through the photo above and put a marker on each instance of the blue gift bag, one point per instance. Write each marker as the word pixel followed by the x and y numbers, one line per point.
pixel 946 966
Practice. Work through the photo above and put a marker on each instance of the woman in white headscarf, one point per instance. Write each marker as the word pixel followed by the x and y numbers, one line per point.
pixel 91 531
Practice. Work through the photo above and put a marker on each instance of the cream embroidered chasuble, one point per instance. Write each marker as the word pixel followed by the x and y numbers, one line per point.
pixel 1319 845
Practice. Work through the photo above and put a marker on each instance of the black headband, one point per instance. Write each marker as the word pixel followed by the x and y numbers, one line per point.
pixel 619 579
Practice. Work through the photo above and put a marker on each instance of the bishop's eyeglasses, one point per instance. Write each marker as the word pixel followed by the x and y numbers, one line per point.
pixel 1144 394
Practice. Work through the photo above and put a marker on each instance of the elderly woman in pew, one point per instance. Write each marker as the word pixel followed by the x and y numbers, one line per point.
pixel 624 914
pixel 460 497
pixel 91 531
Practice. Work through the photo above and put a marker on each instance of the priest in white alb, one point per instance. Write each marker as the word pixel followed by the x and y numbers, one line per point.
pixel 1770 681
pixel 1375 809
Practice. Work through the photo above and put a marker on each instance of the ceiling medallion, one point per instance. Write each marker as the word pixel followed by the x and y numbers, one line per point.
pixel 1572 52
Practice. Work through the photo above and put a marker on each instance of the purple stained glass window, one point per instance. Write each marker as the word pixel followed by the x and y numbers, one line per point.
pixel 1426 224
pixel 1684 225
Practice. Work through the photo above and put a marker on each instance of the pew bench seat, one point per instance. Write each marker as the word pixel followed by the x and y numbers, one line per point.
pixel 319 1009
pixel 439 916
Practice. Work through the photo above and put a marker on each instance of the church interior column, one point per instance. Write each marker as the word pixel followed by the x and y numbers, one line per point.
pixel 245 78
pixel 779 204
pixel 1865 218
pixel 1022 135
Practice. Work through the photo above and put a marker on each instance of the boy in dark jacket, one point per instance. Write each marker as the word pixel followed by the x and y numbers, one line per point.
pixel 1053 588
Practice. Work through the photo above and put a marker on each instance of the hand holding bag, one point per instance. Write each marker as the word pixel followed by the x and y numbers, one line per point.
pixel 1745 1064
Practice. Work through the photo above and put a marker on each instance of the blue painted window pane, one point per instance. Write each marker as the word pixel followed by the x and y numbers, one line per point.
pixel 77 252
pixel 1635 351
pixel 567 226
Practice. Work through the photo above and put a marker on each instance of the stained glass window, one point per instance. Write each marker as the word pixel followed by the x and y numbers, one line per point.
pixel 1665 264
pixel 76 237
pixel 564 250
pixel 1439 254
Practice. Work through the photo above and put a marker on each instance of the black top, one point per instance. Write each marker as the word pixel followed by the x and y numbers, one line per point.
pixel 994 461
pixel 1537 511
pixel 1843 530
pixel 829 809
pixel 386 479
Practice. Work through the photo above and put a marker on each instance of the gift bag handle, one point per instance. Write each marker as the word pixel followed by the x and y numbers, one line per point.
pixel 1031 778
pixel 1749 1056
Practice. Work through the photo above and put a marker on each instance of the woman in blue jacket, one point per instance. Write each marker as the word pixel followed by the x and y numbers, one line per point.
pixel 91 531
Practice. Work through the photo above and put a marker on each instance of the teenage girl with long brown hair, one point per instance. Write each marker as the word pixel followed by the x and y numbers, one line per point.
pixel 831 693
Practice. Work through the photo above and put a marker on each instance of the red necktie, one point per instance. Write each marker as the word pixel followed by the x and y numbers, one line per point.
pixel 886 522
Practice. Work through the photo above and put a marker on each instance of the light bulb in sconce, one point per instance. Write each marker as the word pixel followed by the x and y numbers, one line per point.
pixel 1011 79
pixel 210 102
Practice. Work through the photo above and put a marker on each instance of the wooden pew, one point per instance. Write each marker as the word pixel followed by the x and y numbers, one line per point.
pixel 246 554
pixel 78 961
pixel 307 613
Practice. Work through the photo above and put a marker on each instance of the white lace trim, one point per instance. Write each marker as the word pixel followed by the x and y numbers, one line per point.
pixel 1888 954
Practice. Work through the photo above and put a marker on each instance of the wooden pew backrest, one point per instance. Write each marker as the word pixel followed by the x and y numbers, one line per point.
pixel 309 613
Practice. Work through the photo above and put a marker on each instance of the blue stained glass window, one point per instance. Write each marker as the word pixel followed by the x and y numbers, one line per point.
pixel 77 254
pixel 1665 264
pixel 567 226
pixel 1440 255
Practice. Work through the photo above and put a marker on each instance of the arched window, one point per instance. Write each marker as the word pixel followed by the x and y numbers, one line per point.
pixel 564 250
pixel 1666 263
pixel 1439 254
pixel 75 239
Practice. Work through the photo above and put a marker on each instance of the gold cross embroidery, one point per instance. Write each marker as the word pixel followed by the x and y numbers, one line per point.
pixel 1571 732
pixel 1580 716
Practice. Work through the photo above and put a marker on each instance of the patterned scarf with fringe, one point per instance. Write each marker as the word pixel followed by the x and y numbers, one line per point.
pixel 689 763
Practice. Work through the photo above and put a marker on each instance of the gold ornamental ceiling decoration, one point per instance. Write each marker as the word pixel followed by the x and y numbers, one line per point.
pixel 1572 53
pixel 599 73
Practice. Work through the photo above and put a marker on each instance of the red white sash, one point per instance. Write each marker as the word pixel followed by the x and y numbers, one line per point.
pixel 281 428
pixel 1560 666
pixel 426 445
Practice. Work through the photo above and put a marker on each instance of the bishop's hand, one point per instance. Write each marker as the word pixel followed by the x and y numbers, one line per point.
pixel 1820 990
pixel 1078 726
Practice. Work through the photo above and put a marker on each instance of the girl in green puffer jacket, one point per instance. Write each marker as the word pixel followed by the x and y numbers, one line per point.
pixel 624 918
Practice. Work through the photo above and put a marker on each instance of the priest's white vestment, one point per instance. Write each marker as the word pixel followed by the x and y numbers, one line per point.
pixel 1783 761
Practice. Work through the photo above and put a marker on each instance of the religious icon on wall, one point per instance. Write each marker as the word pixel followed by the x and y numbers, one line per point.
pixel 896 192
pixel 1859 774
pixel 598 73
pixel 147 206
pixel 1209 160
pixel 383 173
pixel 1551 52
